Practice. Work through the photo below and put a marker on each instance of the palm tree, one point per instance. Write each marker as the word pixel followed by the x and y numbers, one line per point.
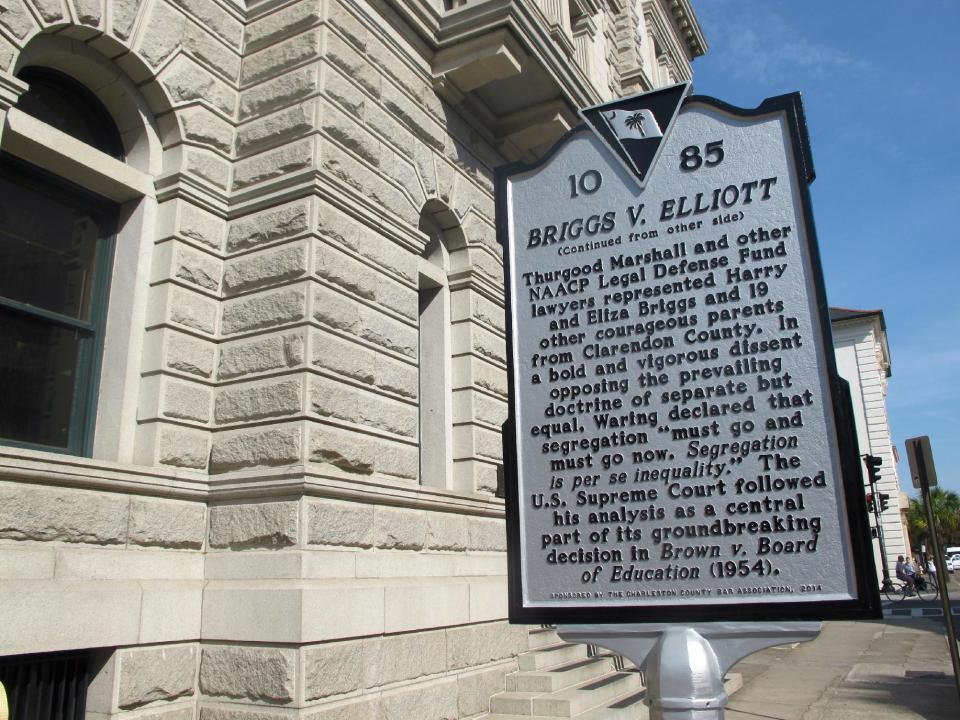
pixel 946 514
pixel 635 121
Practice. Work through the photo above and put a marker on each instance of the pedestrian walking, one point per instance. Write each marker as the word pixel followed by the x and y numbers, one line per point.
pixel 932 571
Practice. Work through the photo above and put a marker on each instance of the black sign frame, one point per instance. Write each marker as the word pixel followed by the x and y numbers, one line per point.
pixel 866 605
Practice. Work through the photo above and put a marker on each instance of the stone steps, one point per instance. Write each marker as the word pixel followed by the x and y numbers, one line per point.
pixel 575 700
pixel 559 676
pixel 567 702
pixel 558 680
pixel 629 706
pixel 551 656
pixel 542 636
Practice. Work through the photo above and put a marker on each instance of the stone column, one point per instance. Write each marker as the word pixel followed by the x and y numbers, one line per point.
pixel 631 39
pixel 318 518
pixel 584 32
pixel 180 346
pixel 590 42
pixel 479 377
pixel 318 325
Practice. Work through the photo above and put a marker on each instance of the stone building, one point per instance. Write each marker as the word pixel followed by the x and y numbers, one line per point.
pixel 863 360
pixel 251 341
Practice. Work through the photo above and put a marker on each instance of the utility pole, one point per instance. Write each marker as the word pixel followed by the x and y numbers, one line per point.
pixel 923 473
pixel 873 464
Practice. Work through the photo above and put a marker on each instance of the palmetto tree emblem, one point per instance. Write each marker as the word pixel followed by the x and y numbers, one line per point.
pixel 635 122
pixel 633 127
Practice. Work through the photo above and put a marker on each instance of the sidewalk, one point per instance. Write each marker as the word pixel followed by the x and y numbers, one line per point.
pixel 890 670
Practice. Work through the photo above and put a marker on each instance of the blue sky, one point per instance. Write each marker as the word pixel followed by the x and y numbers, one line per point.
pixel 880 90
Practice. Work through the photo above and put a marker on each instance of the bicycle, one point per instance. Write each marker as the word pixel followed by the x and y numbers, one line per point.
pixel 897 591
pixel 926 588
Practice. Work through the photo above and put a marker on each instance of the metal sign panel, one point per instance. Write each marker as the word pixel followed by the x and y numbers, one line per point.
pixel 920 459
pixel 679 445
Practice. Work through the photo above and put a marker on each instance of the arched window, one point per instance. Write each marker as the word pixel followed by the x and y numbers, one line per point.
pixel 63 103
pixel 436 431
pixel 56 253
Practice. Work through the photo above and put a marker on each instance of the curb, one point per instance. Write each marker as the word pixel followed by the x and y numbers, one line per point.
pixel 917 612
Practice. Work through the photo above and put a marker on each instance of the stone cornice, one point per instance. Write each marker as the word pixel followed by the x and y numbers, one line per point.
pixel 636 76
pixel 869 322
pixel 294 481
pixel 421 16
pixel 182 185
pixel 297 480
pixel 472 280
pixel 687 26
pixel 588 7
pixel 526 23
pixel 331 190
pixel 50 468
pixel 239 9
pixel 255 9
pixel 657 21
pixel 586 23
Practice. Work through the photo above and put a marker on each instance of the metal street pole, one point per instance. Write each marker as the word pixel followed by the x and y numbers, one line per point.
pixel 883 549
pixel 878 523
pixel 938 561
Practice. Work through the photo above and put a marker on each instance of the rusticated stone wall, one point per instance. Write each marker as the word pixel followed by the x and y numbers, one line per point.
pixel 339 123
pixel 254 540
pixel 263 548
pixel 91 517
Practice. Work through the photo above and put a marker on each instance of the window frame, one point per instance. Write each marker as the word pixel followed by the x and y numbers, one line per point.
pixel 152 139
pixel 91 332
pixel 110 394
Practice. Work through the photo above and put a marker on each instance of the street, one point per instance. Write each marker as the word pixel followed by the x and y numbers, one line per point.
pixel 915 607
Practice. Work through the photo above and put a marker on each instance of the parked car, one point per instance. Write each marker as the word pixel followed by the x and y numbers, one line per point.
pixel 953 563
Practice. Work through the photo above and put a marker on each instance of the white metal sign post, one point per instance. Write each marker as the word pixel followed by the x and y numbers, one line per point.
pixel 680 450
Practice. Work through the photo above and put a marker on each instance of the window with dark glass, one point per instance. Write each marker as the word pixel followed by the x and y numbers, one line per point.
pixel 56 249
pixel 63 103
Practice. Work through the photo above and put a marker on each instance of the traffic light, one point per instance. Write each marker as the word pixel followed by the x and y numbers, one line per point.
pixel 884 501
pixel 873 468
pixel 870 506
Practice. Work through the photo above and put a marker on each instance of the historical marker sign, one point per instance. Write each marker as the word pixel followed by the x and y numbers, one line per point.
pixel 678 445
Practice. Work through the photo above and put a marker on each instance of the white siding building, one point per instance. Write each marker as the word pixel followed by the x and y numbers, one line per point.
pixel 863 360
